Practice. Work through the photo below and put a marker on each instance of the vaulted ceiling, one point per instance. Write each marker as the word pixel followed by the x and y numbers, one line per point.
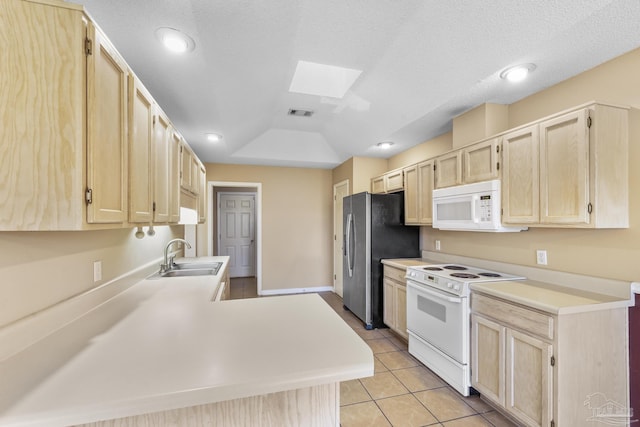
pixel 423 62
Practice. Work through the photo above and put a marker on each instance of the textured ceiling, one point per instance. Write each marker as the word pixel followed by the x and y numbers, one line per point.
pixel 423 62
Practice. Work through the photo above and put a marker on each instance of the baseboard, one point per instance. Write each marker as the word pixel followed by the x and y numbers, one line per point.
pixel 296 290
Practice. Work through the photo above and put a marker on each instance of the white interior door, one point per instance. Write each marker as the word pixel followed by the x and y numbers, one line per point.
pixel 237 232
pixel 340 190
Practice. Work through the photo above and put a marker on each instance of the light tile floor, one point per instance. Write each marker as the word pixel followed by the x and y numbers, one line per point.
pixel 402 391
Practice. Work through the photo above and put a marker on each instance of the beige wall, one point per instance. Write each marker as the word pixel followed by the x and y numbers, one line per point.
pixel 601 253
pixel 365 168
pixel 41 268
pixel 359 171
pixel 297 211
pixel 424 151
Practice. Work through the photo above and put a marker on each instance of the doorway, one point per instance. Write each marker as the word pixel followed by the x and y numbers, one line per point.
pixel 236 232
pixel 340 190
pixel 213 221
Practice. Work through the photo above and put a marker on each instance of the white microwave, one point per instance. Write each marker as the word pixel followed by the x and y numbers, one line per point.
pixel 470 207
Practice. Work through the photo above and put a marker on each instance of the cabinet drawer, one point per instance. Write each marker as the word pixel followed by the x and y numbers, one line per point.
pixel 527 320
pixel 395 274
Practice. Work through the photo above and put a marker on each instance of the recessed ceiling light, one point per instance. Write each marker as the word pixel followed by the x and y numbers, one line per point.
pixel 174 40
pixel 311 78
pixel 213 137
pixel 517 73
pixel 385 145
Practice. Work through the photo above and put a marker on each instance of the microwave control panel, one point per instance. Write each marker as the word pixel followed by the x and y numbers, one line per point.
pixel 486 206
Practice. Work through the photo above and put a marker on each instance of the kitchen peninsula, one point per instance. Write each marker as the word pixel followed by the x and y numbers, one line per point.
pixel 162 353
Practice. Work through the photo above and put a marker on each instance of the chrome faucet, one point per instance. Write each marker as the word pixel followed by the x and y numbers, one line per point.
pixel 168 261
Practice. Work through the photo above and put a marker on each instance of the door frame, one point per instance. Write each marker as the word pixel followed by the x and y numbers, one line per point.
pixel 258 208
pixel 255 237
pixel 337 241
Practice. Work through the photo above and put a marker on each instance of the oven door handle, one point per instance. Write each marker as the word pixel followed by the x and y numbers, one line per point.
pixel 440 295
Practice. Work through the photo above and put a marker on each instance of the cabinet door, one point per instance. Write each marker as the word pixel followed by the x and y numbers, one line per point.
pixel 174 177
pixel 141 112
pixel 394 181
pixel 411 195
pixel 186 160
pixel 564 169
pixel 195 175
pixel 401 310
pixel 520 176
pixel 389 312
pixel 202 196
pixel 161 140
pixel 529 381
pixel 448 170
pixel 481 161
pixel 377 185
pixel 488 358
pixel 42 117
pixel 106 131
pixel 425 192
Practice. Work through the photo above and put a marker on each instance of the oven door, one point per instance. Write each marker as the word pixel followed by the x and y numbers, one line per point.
pixel 440 319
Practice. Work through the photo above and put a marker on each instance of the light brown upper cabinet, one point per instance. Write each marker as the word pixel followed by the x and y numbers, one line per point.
pixel 141 160
pixel 377 185
pixel 569 170
pixel 162 136
pixel 195 175
pixel 418 182
pixel 521 176
pixel 83 146
pixel 107 75
pixel 473 163
pixel 202 194
pixel 448 169
pixel 481 161
pixel 389 182
pixel 186 171
pixel 175 143
pixel 64 115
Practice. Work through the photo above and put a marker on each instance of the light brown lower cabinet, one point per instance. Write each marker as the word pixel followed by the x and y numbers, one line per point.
pixel 395 300
pixel 548 369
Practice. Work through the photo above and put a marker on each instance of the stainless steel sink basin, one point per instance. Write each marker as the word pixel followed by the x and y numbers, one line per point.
pixel 197 266
pixel 191 272
pixel 189 269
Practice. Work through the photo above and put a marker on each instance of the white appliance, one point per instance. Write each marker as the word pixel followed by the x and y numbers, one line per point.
pixel 438 318
pixel 470 207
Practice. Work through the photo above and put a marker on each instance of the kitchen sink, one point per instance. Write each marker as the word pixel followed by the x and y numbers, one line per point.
pixel 191 272
pixel 190 269
pixel 197 266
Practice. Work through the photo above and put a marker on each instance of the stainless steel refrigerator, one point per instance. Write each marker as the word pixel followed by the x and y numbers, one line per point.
pixel 374 229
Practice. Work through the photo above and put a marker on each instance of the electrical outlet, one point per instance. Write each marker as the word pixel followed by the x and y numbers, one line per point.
pixel 437 245
pixel 541 257
pixel 97 271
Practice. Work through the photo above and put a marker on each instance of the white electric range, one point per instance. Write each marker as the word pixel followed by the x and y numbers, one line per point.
pixel 438 318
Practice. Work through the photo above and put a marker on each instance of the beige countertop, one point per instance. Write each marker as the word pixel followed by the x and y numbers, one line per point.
pixel 550 298
pixel 162 345
pixel 403 263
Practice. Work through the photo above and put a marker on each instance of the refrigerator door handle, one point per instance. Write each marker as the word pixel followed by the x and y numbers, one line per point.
pixel 348 244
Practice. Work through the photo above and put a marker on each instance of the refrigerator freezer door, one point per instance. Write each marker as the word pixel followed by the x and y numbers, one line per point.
pixel 357 279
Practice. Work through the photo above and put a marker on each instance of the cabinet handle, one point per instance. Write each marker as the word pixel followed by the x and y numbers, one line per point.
pixel 589 208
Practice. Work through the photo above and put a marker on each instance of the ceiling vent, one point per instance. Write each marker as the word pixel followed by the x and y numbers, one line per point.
pixel 300 113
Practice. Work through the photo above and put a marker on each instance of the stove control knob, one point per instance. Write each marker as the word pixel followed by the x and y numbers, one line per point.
pixel 449 285
pixel 456 287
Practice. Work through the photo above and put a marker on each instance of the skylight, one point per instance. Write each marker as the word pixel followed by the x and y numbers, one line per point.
pixel 311 78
